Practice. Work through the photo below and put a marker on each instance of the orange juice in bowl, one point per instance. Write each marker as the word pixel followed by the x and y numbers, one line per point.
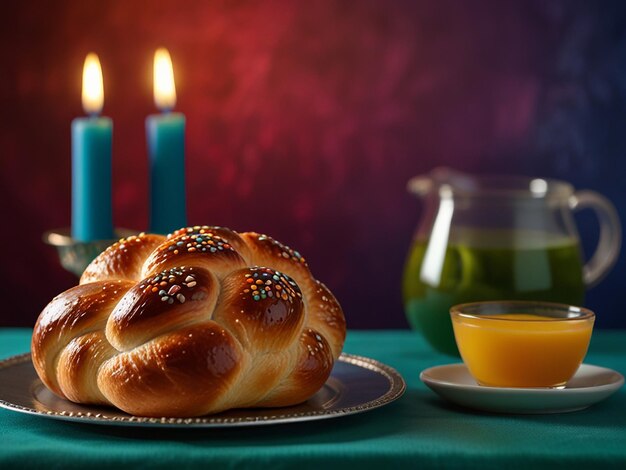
pixel 522 344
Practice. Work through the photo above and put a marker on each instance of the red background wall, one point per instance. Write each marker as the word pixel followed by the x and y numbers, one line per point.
pixel 306 119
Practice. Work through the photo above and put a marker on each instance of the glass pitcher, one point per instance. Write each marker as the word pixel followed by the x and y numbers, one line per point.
pixel 496 238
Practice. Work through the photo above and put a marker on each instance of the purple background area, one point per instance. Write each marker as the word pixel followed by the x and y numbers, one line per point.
pixel 306 119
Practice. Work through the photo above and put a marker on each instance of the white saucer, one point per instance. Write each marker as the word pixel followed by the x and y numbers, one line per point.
pixel 589 385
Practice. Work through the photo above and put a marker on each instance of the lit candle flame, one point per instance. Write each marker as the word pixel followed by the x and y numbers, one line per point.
pixel 93 89
pixel 164 87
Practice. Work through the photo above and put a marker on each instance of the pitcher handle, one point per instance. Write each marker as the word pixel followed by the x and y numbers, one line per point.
pixel 610 239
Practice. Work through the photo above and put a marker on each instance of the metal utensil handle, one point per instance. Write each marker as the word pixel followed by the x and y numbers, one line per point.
pixel 610 239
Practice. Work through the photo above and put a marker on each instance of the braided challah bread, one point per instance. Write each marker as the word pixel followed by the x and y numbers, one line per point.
pixel 200 321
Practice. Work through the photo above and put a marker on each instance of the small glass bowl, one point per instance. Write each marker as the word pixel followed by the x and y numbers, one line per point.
pixel 522 344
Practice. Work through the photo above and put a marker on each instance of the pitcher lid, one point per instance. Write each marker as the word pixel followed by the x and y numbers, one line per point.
pixel 467 185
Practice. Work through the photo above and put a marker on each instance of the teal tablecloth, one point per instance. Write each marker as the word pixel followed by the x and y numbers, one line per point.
pixel 417 431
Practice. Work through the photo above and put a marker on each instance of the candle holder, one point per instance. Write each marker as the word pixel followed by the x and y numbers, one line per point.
pixel 75 255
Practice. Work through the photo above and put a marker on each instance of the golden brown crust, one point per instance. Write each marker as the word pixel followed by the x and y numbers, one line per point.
pixel 79 362
pixel 77 311
pixel 204 247
pixel 170 299
pixel 183 373
pixel 229 236
pixel 201 321
pixel 265 251
pixel 263 308
pixel 326 315
pixel 314 365
pixel 122 260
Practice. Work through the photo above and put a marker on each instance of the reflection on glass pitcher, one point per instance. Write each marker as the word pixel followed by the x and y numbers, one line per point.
pixel 496 238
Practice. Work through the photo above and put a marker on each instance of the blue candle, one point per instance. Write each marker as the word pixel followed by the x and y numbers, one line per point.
pixel 91 162
pixel 166 147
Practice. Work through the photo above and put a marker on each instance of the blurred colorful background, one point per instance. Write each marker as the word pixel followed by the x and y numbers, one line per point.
pixel 306 119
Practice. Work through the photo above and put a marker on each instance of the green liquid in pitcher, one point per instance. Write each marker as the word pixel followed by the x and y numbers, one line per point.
pixel 487 265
